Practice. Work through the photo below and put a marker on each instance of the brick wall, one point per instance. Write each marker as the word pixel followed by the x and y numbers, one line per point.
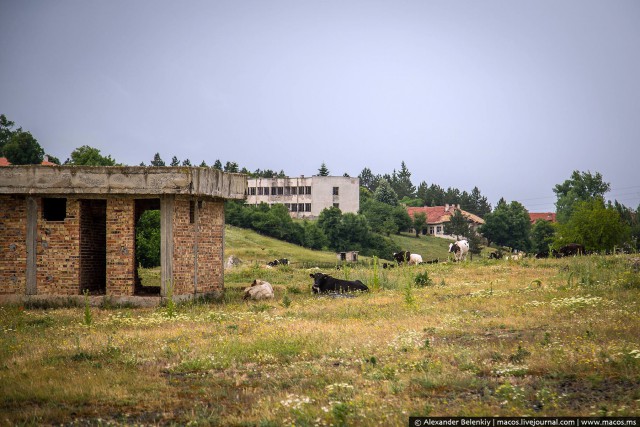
pixel 58 252
pixel 59 269
pixel 13 248
pixel 120 246
pixel 210 256
pixel 183 248
pixel 201 239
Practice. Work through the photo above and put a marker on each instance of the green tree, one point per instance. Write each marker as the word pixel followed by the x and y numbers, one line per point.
pixel 6 132
pixel 595 226
pixel 389 227
pixel 329 222
pixel 148 239
pixel 422 193
pixel 401 218
pixel 186 162
pixel 458 225
pixel 402 183
pixel 314 238
pixel 475 243
pixel 581 187
pixel 23 149
pixel 542 235
pixel 323 171
pixel 175 161
pixel 385 194
pixel 368 180
pixel 217 165
pixel 508 225
pixel 419 222
pixel 157 160
pixel 89 156
pixel 231 167
pixel 203 164
pixel 435 196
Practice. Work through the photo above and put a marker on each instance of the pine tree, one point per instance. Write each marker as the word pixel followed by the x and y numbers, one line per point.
pixel 157 160
pixel 323 171
pixel 175 161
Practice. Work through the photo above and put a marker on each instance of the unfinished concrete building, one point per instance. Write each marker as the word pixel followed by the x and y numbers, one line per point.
pixel 65 230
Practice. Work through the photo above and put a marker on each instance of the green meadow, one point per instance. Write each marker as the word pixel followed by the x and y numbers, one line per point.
pixel 556 337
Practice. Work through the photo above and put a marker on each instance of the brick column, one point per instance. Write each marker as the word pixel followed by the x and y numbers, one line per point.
pixel 121 244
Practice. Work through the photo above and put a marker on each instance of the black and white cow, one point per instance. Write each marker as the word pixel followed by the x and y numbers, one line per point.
pixel 402 257
pixel 281 261
pixel 459 249
pixel 324 284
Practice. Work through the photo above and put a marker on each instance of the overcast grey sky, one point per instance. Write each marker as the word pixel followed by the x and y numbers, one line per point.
pixel 510 96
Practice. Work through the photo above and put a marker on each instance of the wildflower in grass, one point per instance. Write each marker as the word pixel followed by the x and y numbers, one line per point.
pixel 295 402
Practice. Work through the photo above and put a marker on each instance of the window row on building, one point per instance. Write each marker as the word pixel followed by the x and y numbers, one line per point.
pixel 279 191
pixel 298 207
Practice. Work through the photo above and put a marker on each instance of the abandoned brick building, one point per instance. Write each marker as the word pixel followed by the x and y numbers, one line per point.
pixel 65 230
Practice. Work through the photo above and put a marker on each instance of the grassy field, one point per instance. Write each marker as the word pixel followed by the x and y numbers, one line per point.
pixel 534 337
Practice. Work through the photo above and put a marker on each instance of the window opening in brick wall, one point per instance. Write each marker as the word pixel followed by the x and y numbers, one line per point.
pixel 147 246
pixel 192 212
pixel 336 205
pixel 336 190
pixel 54 209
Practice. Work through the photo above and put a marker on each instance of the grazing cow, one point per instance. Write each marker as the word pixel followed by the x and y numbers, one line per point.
pixel 543 254
pixel 459 249
pixel 495 255
pixel 281 261
pixel 324 284
pixel 571 249
pixel 258 290
pixel 402 257
pixel 415 259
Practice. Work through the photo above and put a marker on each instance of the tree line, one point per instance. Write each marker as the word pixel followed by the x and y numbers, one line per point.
pixel 583 216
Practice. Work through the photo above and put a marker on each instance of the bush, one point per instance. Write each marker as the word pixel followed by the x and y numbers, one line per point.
pixel 423 279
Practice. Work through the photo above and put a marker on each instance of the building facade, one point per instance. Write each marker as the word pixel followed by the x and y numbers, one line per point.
pixel 67 230
pixel 306 197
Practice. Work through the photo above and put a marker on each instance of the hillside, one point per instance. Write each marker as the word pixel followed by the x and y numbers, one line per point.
pixel 250 246
pixel 253 247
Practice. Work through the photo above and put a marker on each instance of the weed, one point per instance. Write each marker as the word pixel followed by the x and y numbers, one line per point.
pixel 423 279
pixel 170 309
pixel 286 301
pixel 88 317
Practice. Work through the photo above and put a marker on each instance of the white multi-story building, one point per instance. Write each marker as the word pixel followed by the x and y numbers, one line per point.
pixel 306 197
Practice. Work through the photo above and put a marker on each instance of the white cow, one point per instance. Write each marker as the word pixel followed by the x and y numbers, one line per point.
pixel 459 249
pixel 415 259
pixel 258 290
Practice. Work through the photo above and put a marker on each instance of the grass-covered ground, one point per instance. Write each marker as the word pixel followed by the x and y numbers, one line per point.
pixel 535 337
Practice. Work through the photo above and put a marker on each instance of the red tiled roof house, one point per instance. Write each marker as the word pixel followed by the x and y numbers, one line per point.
pixel 437 216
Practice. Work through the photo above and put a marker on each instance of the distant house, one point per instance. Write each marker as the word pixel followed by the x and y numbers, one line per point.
pixel 547 216
pixel 438 216
pixel 45 162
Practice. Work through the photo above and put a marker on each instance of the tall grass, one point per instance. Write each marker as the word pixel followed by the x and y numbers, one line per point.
pixel 485 338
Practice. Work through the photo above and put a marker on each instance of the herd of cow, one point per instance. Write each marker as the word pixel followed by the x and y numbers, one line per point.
pixel 325 284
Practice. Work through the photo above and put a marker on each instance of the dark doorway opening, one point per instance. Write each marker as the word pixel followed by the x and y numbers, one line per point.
pixel 147 232
pixel 93 246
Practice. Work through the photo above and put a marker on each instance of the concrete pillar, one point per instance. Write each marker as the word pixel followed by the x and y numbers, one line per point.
pixel 166 243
